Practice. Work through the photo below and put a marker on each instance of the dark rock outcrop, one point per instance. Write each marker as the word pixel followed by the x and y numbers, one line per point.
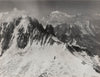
pixel 27 31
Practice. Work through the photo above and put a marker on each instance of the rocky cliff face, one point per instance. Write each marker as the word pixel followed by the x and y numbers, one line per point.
pixel 25 29
pixel 80 30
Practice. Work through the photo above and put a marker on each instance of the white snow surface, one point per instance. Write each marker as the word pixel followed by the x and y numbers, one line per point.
pixel 35 60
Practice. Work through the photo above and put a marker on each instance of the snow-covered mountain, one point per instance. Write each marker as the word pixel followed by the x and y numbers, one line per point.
pixel 28 49
pixel 78 27
pixel 57 17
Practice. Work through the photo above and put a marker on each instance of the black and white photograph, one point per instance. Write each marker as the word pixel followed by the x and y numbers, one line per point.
pixel 49 38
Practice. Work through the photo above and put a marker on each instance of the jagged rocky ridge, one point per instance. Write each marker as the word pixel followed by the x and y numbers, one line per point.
pixel 75 29
pixel 24 30
pixel 27 30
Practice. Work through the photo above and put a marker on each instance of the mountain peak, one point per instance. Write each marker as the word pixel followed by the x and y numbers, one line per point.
pixel 22 30
pixel 59 13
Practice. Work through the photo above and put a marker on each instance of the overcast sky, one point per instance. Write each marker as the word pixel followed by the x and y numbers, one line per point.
pixel 49 0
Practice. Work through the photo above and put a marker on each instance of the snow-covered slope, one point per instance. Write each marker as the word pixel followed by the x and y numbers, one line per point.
pixel 45 61
pixel 28 49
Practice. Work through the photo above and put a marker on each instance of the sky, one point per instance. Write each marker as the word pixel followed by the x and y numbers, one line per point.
pixel 49 0
pixel 40 8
